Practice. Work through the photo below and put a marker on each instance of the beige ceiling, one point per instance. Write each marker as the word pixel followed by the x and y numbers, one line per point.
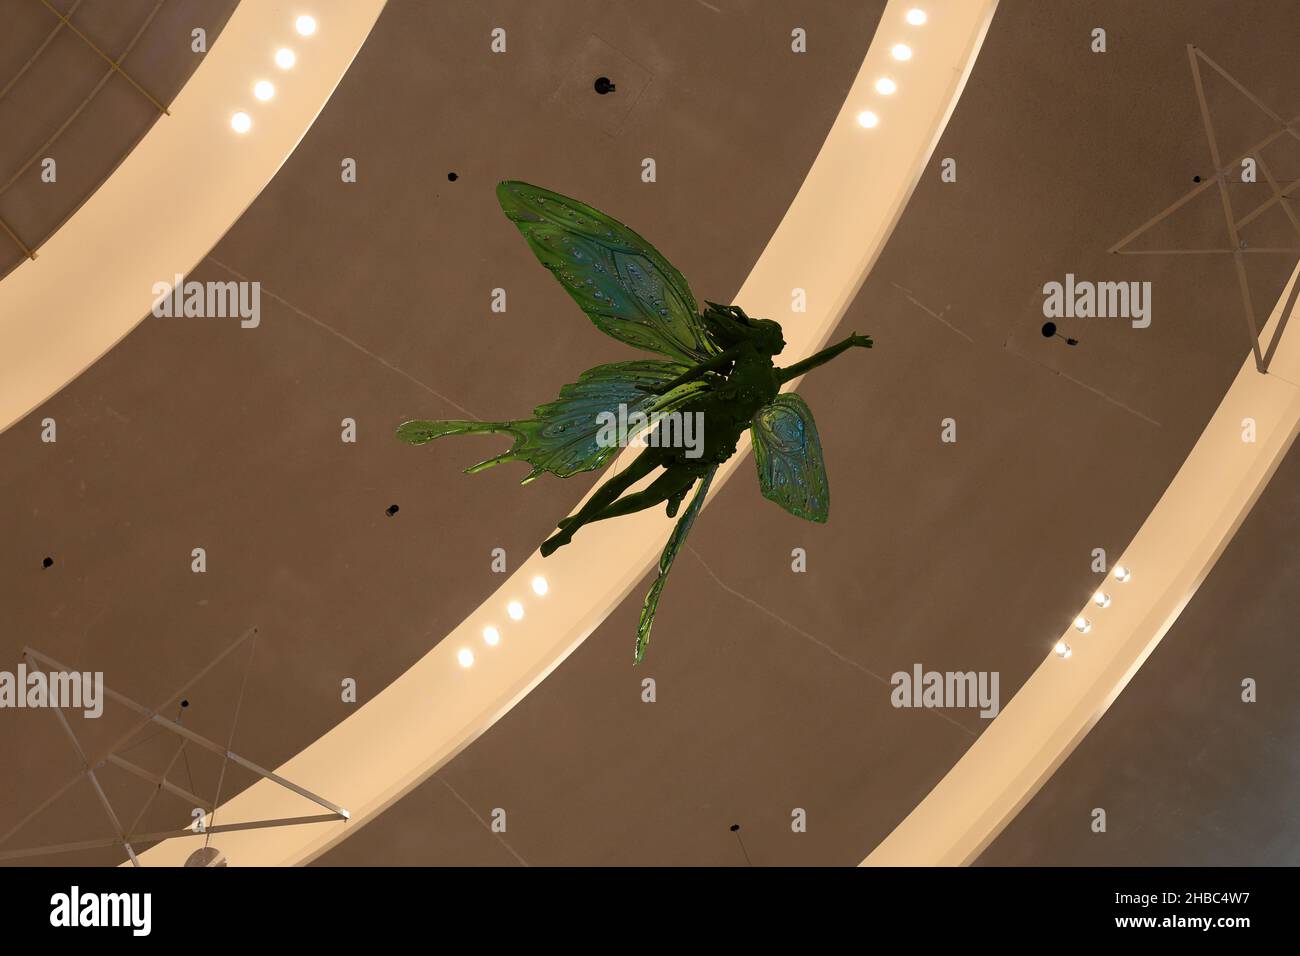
pixel 772 686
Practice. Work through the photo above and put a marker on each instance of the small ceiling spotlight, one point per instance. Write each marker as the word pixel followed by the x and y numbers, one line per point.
pixel 1122 574
pixel 465 656
pixel 916 16
pixel 515 610
pixel 285 58
pixel 1082 625
pixel 540 587
pixel 1062 649
pixel 901 51
pixel 305 25
pixel 264 90
pixel 491 636
pixel 241 122
pixel 868 119
pixel 885 86
pixel 1101 599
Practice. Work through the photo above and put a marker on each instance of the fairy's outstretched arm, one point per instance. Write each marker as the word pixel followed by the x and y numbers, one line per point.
pixel 822 357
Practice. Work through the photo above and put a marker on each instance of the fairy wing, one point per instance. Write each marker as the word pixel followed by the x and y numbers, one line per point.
pixel 791 469
pixel 675 541
pixel 570 435
pixel 629 290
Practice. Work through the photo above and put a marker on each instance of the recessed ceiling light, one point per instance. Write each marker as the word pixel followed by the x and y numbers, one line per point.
pixel 285 58
pixel 1062 649
pixel 466 657
pixel 901 51
pixel 515 610
pixel 868 119
pixel 1082 625
pixel 263 90
pixel 1122 574
pixel 540 587
pixel 885 86
pixel 916 16
pixel 241 122
pixel 491 636
pixel 1101 599
pixel 305 25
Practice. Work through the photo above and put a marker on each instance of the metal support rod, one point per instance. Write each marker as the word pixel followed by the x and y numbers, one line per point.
pixel 157 790
pixel 1265 206
pixel 106 58
pixel 1192 194
pixel 94 782
pixel 99 844
pixel 1229 219
pixel 1288 250
pixel 29 253
pixel 127 836
pixel 202 741
pixel 1288 127
pixel 13 80
pixel 162 782
pixel 1279 196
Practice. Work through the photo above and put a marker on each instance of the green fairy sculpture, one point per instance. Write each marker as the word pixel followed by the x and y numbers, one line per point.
pixel 718 368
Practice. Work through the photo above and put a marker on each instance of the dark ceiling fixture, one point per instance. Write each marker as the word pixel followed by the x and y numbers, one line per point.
pixel 1049 330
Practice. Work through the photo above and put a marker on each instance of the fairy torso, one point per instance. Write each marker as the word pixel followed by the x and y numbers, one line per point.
pixel 730 403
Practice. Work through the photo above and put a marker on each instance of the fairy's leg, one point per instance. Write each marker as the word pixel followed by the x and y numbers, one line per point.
pixel 672 483
pixel 646 462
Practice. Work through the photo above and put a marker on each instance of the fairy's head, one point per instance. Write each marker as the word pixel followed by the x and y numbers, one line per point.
pixel 729 326
pixel 767 336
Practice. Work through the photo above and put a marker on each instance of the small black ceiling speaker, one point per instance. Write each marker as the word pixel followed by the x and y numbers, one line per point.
pixel 1049 330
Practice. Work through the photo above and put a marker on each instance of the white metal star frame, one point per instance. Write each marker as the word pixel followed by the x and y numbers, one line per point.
pixel 1237 247
pixel 128 837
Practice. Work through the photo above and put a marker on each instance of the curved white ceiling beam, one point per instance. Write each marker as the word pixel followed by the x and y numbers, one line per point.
pixel 174 196
pixel 826 243
pixel 1171 555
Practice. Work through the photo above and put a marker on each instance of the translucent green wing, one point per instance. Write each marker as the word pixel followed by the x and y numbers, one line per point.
pixel 675 540
pixel 791 469
pixel 629 290
pixel 570 434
